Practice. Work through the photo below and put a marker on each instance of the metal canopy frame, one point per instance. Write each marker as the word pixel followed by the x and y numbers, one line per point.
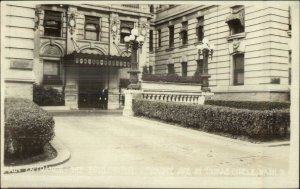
pixel 97 60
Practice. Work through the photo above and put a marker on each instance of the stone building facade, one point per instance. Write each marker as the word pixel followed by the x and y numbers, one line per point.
pixel 251 60
pixel 252 56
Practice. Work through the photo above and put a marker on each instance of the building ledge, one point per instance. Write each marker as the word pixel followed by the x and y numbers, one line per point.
pixel 237 36
pixel 183 46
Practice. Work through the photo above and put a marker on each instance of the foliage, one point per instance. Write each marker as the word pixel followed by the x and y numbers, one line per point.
pixel 27 128
pixel 261 125
pixel 171 78
pixel 250 105
pixel 47 96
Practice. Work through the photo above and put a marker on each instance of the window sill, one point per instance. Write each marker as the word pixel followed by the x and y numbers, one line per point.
pixel 170 49
pixel 52 37
pixel 184 46
pixel 236 36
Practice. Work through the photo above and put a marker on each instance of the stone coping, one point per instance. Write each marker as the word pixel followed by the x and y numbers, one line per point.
pixel 63 155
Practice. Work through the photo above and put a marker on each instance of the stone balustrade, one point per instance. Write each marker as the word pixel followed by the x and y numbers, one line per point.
pixel 194 98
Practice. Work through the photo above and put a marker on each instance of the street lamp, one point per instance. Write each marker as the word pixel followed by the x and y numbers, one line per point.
pixel 134 42
pixel 206 50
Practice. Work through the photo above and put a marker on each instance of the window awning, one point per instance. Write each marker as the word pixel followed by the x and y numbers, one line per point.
pixel 236 17
pixel 97 60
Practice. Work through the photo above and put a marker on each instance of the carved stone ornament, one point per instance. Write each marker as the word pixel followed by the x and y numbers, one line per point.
pixel 38 12
pixel 235 44
pixel 52 50
pixel 72 23
pixel 144 29
pixel 114 27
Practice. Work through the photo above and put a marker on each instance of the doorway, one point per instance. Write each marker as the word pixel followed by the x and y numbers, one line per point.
pixel 92 81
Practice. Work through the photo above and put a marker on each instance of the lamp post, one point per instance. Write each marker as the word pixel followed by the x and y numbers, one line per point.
pixel 134 42
pixel 206 50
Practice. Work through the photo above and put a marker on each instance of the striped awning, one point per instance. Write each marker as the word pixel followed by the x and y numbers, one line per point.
pixel 97 60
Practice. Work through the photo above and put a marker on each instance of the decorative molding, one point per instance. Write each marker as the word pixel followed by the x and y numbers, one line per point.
pixel 51 48
pixel 144 27
pixel 72 22
pixel 115 27
pixel 92 50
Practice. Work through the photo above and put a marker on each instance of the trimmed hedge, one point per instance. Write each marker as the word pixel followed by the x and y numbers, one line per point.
pixel 250 105
pixel 47 96
pixel 261 125
pixel 171 78
pixel 27 128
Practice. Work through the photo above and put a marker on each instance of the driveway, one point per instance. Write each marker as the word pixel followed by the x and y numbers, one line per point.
pixel 132 149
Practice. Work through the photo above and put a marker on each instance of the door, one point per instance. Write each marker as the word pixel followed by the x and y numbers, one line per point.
pixel 90 86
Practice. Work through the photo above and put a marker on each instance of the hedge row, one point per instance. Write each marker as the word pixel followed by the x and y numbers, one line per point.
pixel 171 78
pixel 47 96
pixel 262 125
pixel 250 105
pixel 27 128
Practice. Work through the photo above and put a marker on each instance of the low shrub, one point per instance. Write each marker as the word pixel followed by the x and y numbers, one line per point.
pixel 47 96
pixel 171 78
pixel 261 125
pixel 250 105
pixel 27 128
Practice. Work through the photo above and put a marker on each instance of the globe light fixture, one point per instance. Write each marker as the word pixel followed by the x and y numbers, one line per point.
pixel 134 42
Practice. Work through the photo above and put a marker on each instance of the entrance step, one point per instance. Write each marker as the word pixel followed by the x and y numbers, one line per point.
pixel 85 112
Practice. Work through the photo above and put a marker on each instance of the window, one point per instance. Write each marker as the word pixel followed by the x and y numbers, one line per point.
pixel 151 40
pixel 290 69
pixel 126 28
pixel 150 69
pixel 199 70
pixel 236 21
pixel 151 8
pixel 171 69
pixel 91 28
pixel 171 36
pixel 52 23
pixel 290 19
pixel 199 29
pixel 238 66
pixel 184 69
pixel 52 72
pixel 184 33
pixel 159 38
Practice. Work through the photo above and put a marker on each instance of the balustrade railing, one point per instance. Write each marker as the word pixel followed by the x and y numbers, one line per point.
pixel 194 98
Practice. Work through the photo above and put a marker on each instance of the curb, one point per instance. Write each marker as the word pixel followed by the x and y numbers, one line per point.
pixel 63 155
pixel 217 137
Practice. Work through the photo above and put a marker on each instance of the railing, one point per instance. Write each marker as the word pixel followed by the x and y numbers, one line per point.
pixel 194 98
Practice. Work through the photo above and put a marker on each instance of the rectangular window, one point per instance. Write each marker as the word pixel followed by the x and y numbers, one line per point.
pixel 290 65
pixel 171 36
pixel 238 65
pixel 125 30
pixel 91 28
pixel 290 19
pixel 199 70
pixel 52 23
pixel 199 29
pixel 150 69
pixel 237 23
pixel 159 38
pixel 171 69
pixel 184 69
pixel 151 40
pixel 184 33
pixel 52 72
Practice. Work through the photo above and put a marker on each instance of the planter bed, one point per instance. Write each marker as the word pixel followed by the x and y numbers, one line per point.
pixel 237 123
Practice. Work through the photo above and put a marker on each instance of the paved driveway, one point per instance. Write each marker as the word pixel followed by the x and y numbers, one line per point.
pixel 112 146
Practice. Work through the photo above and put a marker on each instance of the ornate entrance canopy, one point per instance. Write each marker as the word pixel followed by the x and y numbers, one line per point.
pixel 97 60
